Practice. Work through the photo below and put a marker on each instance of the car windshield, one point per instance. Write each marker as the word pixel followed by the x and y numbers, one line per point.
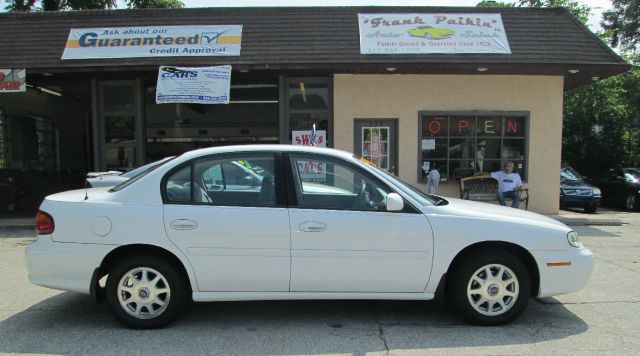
pixel 568 174
pixel 134 172
pixel 150 168
pixel 419 196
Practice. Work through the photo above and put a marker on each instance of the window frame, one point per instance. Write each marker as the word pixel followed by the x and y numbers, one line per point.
pixel 477 114
pixel 293 184
pixel 281 199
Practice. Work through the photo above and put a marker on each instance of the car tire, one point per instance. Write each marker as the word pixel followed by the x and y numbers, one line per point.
pixel 489 300
pixel 631 202
pixel 145 292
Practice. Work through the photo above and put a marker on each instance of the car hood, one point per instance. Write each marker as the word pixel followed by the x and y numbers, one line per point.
pixel 485 211
pixel 575 184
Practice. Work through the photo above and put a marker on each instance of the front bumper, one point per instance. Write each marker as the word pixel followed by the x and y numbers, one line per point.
pixel 578 201
pixel 63 265
pixel 562 279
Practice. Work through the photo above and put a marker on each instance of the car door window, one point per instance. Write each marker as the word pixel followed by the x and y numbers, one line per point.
pixel 327 183
pixel 243 180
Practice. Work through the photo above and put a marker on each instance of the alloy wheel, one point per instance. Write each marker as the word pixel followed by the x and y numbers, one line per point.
pixel 493 289
pixel 144 293
pixel 631 202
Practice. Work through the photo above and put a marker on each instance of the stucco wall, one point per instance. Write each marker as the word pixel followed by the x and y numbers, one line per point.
pixel 402 96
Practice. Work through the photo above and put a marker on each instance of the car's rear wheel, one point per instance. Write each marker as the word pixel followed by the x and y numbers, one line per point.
pixel 490 287
pixel 145 292
pixel 631 203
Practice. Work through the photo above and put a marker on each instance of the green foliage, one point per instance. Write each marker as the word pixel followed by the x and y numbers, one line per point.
pixel 492 3
pixel 62 5
pixel 578 9
pixel 623 23
pixel 602 123
pixel 155 4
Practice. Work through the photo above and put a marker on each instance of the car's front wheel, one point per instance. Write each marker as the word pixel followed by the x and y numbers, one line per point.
pixel 490 287
pixel 631 203
pixel 145 292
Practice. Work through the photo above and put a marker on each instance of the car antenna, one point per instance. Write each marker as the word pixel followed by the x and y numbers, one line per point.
pixel 86 191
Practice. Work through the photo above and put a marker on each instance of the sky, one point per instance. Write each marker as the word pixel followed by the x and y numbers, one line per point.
pixel 598 6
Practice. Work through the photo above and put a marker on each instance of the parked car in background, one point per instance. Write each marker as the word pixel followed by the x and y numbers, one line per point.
pixel 621 187
pixel 113 178
pixel 576 192
pixel 294 222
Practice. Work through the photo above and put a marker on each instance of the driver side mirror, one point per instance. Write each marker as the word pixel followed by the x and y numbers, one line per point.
pixel 394 202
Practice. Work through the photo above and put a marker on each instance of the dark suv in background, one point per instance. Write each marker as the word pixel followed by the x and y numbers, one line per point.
pixel 575 192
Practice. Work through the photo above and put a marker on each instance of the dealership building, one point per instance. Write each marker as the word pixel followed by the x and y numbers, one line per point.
pixel 409 88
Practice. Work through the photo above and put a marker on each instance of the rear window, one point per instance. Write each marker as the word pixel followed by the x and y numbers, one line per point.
pixel 136 177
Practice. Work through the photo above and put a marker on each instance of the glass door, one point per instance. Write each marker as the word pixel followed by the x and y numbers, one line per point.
pixel 119 125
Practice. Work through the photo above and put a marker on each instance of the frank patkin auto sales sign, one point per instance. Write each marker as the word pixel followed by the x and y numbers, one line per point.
pixel 432 33
pixel 153 41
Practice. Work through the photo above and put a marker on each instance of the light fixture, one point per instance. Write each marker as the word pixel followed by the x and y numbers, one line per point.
pixel 391 69
pixel 47 74
pixel 595 78
pixel 243 71
pixel 482 69
pixel 574 71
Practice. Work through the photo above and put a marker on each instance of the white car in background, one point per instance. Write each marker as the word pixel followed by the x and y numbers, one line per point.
pixel 322 224
pixel 113 178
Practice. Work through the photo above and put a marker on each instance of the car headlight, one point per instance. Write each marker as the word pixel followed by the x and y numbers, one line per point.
pixel 573 239
pixel 597 191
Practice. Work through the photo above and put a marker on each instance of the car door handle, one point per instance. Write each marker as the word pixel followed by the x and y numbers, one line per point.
pixel 312 226
pixel 183 224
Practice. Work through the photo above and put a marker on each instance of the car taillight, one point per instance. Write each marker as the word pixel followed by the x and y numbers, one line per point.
pixel 44 223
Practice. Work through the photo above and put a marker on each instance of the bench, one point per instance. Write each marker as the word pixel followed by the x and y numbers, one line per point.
pixel 485 188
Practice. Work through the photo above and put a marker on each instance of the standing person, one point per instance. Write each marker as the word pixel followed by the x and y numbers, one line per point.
pixel 433 180
pixel 509 184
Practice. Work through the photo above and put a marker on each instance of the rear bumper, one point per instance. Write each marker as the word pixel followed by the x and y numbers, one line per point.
pixel 562 279
pixel 62 265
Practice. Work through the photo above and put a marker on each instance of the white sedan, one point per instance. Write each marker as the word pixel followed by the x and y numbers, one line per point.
pixel 275 222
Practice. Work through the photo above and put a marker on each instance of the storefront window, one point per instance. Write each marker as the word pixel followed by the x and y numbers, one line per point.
pixel 308 104
pixel 461 145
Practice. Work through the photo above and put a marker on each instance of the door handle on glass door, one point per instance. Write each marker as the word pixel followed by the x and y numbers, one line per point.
pixel 312 226
pixel 183 224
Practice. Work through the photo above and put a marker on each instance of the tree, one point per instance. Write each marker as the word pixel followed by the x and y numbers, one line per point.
pixel 154 4
pixel 602 123
pixel 63 5
pixel 623 23
pixel 578 9
pixel 492 3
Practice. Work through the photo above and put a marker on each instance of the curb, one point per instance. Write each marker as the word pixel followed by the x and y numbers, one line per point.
pixel 588 221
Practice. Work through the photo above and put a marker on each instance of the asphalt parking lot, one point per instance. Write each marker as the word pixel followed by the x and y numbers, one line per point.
pixel 602 319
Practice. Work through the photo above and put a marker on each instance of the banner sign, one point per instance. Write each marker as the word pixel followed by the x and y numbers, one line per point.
pixel 207 85
pixel 153 41
pixel 13 80
pixel 432 33
pixel 302 138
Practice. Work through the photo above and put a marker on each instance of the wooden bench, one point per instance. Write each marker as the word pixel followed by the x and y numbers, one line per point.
pixel 485 188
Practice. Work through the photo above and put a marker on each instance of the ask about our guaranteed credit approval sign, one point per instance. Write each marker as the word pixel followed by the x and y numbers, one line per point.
pixel 153 41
